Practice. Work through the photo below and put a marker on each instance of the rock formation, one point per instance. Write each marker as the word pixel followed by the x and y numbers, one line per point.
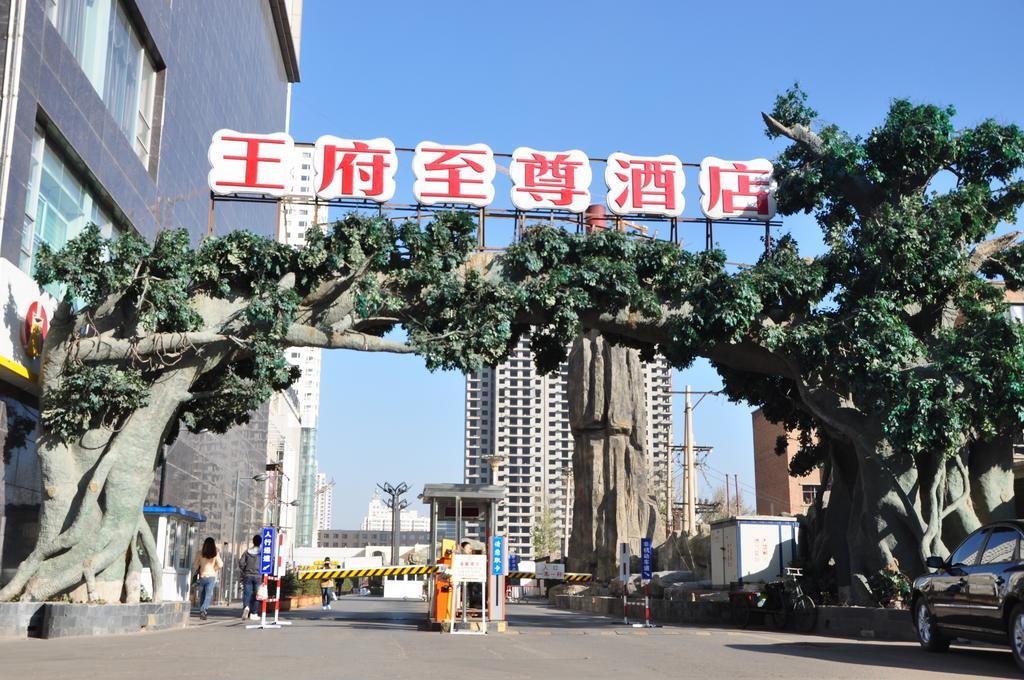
pixel 607 412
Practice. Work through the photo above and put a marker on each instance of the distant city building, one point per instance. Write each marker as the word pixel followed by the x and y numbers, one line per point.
pixel 324 502
pixel 777 492
pixel 378 518
pixel 520 420
pixel 360 538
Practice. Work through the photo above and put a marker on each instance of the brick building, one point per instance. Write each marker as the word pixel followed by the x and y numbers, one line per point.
pixel 777 492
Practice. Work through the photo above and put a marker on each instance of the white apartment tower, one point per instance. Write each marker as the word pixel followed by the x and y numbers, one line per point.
pixel 324 504
pixel 297 214
pixel 519 420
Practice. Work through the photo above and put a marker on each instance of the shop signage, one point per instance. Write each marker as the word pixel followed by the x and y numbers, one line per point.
pixel 33 331
pixel 451 174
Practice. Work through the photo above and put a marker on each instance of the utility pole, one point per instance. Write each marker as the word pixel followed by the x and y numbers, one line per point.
pixel 691 483
pixel 736 483
pixel 394 501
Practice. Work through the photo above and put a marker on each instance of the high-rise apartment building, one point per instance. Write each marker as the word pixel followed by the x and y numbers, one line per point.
pixel 297 214
pixel 324 506
pixel 518 436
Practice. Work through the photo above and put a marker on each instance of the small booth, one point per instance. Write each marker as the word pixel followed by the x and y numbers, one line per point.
pixel 174 529
pixel 750 549
pixel 467 592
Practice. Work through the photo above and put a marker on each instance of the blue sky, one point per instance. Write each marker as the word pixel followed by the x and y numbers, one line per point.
pixel 638 77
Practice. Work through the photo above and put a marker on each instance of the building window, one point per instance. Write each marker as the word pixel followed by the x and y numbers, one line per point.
pixel 58 205
pixel 110 52
pixel 809 492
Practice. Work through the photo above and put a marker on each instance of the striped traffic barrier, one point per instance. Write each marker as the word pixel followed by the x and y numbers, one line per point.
pixel 321 574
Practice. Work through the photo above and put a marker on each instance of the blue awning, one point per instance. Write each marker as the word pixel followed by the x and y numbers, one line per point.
pixel 173 510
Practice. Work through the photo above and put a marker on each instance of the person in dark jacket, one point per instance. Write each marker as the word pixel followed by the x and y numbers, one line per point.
pixel 249 574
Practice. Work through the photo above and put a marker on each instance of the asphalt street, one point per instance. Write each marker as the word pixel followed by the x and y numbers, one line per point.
pixel 364 639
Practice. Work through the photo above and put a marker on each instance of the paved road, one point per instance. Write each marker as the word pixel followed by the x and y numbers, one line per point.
pixel 366 639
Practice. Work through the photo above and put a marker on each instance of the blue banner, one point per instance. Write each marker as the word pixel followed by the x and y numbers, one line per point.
pixel 646 555
pixel 513 562
pixel 267 548
pixel 497 555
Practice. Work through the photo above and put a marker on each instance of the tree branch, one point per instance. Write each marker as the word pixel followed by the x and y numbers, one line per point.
pixel 858 189
pixel 984 251
pixel 309 336
pixel 114 349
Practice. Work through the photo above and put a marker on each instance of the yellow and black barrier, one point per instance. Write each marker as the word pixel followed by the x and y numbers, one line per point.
pixel 321 574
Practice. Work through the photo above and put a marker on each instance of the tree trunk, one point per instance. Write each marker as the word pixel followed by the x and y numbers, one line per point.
pixel 607 412
pixel 93 493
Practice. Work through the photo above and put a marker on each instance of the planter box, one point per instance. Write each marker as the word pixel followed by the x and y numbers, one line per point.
pixel 21 619
pixel 299 601
pixel 858 622
pixel 866 622
pixel 75 620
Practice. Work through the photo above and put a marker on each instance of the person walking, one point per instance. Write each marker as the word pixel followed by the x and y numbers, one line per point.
pixel 208 564
pixel 249 575
pixel 326 586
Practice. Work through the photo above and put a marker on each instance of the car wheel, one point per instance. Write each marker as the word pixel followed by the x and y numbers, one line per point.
pixel 1017 634
pixel 928 633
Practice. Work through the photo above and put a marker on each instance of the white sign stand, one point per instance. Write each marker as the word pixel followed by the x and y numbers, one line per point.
pixel 468 569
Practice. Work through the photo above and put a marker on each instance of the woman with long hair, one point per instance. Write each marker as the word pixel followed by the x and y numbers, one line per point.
pixel 207 566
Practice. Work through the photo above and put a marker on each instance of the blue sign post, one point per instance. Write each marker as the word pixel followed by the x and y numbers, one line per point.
pixel 497 555
pixel 267 550
pixel 645 558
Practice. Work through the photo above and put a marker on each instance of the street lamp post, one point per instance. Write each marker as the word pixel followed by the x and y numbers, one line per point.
pixel 261 477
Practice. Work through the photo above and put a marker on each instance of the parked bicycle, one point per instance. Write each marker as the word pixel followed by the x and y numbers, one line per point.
pixel 781 603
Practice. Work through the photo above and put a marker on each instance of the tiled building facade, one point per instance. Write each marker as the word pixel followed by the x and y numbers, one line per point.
pixel 106 113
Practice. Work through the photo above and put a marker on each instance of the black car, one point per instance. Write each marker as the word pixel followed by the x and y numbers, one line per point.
pixel 977 593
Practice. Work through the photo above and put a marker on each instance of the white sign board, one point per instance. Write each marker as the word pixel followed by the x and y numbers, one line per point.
pixel 553 571
pixel 469 568
pixel 364 169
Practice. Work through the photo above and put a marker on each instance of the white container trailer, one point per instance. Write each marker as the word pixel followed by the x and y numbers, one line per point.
pixel 752 548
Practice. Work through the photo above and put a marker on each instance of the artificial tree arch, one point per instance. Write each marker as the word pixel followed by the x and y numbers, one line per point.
pixel 894 346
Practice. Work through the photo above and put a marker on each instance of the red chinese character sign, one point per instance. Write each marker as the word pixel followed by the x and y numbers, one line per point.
pixel 353 168
pixel 649 185
pixel 737 189
pixel 453 174
pixel 248 163
pixel 550 180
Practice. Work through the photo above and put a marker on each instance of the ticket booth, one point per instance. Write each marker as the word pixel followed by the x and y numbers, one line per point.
pixel 465 513
pixel 174 529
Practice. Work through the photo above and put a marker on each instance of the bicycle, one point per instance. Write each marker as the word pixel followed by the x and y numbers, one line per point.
pixel 781 603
